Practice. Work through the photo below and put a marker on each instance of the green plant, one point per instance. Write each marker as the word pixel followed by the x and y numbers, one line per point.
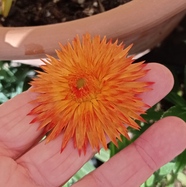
pixel 5 6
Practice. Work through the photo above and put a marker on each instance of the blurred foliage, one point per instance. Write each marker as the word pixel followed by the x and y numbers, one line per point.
pixel 14 79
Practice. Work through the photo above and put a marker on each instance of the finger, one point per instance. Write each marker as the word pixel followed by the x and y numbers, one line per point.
pixel 16 135
pixel 45 161
pixel 136 163
pixel 163 83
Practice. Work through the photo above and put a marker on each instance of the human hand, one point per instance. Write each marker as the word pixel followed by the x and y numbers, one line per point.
pixel 25 162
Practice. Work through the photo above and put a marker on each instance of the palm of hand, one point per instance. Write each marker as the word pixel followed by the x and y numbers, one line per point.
pixel 25 162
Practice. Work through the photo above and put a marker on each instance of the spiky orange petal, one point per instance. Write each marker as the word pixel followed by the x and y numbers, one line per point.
pixel 89 93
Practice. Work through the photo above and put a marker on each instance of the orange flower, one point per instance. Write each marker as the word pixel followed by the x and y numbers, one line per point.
pixel 89 93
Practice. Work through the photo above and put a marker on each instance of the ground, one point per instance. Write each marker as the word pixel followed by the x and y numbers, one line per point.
pixel 42 12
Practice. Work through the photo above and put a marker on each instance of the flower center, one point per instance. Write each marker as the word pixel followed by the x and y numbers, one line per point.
pixel 83 86
pixel 80 83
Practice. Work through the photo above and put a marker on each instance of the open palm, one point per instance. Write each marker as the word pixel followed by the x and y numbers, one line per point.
pixel 25 162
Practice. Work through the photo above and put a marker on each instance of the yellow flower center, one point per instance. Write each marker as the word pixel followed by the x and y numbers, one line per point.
pixel 84 87
pixel 80 83
pixel 79 87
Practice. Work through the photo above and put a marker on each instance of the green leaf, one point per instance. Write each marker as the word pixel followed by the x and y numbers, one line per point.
pixel 182 178
pixel 167 168
pixel 87 168
pixel 14 79
pixel 103 155
pixel 149 182
pixel 178 111
pixel 181 161
pixel 175 99
pixel 3 98
pixel 6 7
pixel 121 145
pixel 153 114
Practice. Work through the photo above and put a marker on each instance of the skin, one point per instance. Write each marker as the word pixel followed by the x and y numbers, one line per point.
pixel 25 162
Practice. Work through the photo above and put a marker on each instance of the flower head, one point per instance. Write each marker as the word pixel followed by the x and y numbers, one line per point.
pixel 89 93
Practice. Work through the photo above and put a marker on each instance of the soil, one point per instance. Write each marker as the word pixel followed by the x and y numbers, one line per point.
pixel 43 12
